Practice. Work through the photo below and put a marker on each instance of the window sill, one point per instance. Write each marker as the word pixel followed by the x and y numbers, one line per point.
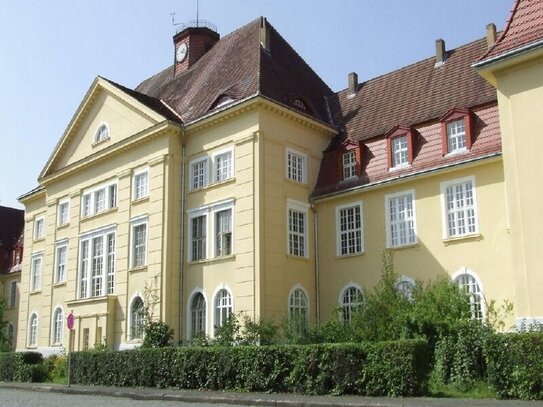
pixel 59 284
pixel 98 214
pixel 213 185
pixel 140 200
pixel 63 226
pixel 463 238
pixel 137 269
pixel 91 300
pixel 399 167
pixel 213 260
pixel 404 247
pixel 457 152
pixel 294 257
pixel 97 143
pixel 35 292
pixel 348 256
pixel 299 183
pixel 39 239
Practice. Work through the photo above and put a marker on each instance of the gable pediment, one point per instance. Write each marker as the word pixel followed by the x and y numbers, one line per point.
pixel 105 106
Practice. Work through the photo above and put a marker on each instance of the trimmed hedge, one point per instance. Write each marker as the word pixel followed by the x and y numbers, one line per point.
pixel 515 365
pixel 22 367
pixel 398 368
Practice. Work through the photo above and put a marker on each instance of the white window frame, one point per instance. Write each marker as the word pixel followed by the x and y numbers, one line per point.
pixel 229 172
pixel 456 138
pixel 39 227
pixel 134 223
pixel 218 316
pixel 32 338
pixel 347 308
pixel 399 147
pixel 201 314
pixel 60 268
pixel 220 235
pixel 63 217
pixel 295 309
pixel 205 177
pixel 303 208
pixel 110 191
pixel 108 269
pixel 449 233
pixel 12 295
pixel 293 173
pixel 143 191
pixel 410 239
pixel 135 320
pixel 99 134
pixel 349 164
pixel 476 299
pixel 209 212
pixel 36 272
pixel 57 327
pixel 340 233
pixel 401 285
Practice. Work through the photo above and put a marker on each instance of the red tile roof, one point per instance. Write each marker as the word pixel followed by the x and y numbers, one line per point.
pixel 524 28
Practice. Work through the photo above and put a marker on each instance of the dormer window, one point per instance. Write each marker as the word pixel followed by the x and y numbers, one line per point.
pixel 223 100
pixel 456 131
pixel 349 164
pixel 300 104
pixel 102 133
pixel 400 147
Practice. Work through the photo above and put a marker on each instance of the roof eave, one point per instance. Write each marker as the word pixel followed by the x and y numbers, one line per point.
pixel 507 56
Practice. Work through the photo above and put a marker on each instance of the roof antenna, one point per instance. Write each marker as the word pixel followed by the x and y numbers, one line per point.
pixel 173 20
pixel 197 7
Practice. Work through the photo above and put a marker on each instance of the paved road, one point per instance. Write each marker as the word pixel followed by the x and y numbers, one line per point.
pixel 29 398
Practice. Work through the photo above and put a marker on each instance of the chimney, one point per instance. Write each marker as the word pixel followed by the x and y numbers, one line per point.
pixel 191 43
pixel 441 54
pixel 491 35
pixel 264 34
pixel 353 83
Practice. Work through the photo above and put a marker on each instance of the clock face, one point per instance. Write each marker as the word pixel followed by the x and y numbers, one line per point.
pixel 181 52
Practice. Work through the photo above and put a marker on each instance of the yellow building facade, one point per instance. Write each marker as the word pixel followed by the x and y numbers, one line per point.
pixel 245 185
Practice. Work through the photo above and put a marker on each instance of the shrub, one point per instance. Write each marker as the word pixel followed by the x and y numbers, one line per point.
pixel 157 334
pixel 22 367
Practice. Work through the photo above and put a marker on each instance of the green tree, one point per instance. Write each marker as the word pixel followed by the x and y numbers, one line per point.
pixel 4 345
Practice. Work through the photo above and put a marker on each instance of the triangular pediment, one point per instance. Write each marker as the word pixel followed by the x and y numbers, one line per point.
pixel 108 107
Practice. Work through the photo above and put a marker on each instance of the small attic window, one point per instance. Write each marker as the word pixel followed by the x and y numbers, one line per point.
pixel 223 100
pixel 300 104
pixel 102 133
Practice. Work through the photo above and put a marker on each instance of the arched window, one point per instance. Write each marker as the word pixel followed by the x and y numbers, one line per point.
pixel 10 335
pixel 102 133
pixel 137 318
pixel 351 302
pixel 58 325
pixel 298 309
pixel 405 287
pixel 198 315
pixel 33 330
pixel 223 307
pixel 469 285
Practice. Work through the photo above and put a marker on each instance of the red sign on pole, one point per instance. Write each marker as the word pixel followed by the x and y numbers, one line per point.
pixel 70 321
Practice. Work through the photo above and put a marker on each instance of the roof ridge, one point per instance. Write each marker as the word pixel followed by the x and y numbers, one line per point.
pixel 504 32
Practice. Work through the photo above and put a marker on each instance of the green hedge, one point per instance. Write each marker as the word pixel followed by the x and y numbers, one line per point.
pixel 392 369
pixel 515 365
pixel 22 367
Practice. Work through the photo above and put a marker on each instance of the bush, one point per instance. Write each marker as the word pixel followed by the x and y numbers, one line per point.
pixel 395 368
pixel 157 335
pixel 515 363
pixel 22 367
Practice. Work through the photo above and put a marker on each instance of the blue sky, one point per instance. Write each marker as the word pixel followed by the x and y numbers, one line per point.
pixel 51 51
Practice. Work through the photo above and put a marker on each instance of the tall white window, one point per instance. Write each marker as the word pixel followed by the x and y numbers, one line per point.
pixel 349 165
pixel 140 184
pixel 137 318
pixel 102 133
pixel 63 216
pixel 351 302
pixel 460 211
pixel 297 228
pixel 405 286
pixel 198 173
pixel 58 325
pixel 97 264
pixel 35 272
pixel 39 228
pixel 468 284
pixel 223 307
pixel 400 221
pixel 139 243
pixel 223 230
pixel 33 330
pixel 349 229
pixel 298 309
pixel 456 136
pixel 198 237
pixel 296 166
pixel 197 315
pixel 12 297
pixel 223 166
pixel 11 335
pixel 99 200
pixel 399 151
pixel 60 262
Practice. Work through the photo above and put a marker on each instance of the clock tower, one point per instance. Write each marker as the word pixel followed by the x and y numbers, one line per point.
pixel 191 43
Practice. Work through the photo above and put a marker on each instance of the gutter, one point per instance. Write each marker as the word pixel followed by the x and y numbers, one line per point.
pixel 508 55
pixel 182 248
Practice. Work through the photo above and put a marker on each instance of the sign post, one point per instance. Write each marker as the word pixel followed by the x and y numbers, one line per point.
pixel 70 323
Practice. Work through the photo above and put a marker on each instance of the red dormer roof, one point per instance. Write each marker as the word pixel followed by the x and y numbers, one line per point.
pixel 524 29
